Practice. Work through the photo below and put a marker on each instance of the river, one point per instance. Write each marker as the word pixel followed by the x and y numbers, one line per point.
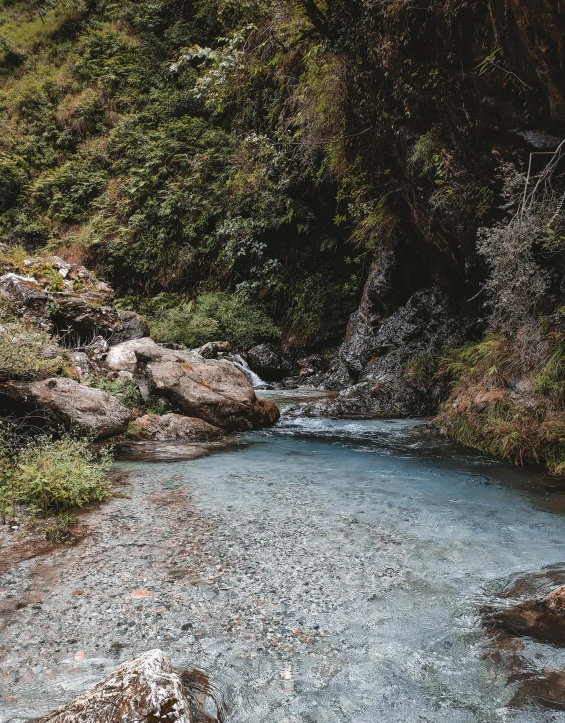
pixel 321 571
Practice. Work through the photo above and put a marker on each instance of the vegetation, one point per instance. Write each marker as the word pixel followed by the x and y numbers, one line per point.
pixel 489 412
pixel 210 317
pixel 50 476
pixel 27 353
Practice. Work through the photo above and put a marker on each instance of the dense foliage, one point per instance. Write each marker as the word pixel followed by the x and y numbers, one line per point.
pixel 50 476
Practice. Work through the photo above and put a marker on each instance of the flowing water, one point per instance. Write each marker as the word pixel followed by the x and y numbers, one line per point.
pixel 343 570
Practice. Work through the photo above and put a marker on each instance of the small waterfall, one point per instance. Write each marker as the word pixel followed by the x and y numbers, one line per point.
pixel 254 379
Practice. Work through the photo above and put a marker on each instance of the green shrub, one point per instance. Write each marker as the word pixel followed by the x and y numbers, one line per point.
pixel 23 352
pixel 213 316
pixel 52 476
pixel 124 390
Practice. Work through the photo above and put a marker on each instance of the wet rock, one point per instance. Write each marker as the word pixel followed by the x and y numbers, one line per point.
pixel 172 427
pixel 399 380
pixel 143 690
pixel 213 348
pixel 209 389
pixel 66 402
pixel 131 326
pixel 268 362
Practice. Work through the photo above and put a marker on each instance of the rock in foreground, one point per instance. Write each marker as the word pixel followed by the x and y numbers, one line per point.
pixel 143 690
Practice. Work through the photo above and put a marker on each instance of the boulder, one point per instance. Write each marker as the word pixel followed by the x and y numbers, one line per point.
pixel 214 390
pixel 85 316
pixel 170 427
pixel 268 362
pixel 213 348
pixel 131 326
pixel 28 297
pixel 143 690
pixel 68 403
pixel 393 367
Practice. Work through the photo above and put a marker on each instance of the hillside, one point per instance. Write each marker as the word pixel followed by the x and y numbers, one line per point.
pixel 311 160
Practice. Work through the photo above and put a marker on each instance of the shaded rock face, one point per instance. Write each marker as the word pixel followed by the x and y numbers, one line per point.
pixel 68 403
pixel 143 690
pixel 269 363
pixel 77 307
pixel 386 365
pixel 213 390
pixel 131 326
pixel 171 427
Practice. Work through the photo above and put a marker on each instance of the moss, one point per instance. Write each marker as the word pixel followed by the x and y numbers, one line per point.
pixel 485 412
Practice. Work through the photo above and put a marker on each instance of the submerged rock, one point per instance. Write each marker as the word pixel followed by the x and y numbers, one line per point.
pixel 171 427
pixel 143 690
pixel 214 390
pixel 68 403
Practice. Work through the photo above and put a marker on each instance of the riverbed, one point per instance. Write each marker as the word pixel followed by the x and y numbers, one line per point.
pixel 320 571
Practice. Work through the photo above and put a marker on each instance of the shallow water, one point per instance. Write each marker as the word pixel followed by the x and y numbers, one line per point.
pixel 346 566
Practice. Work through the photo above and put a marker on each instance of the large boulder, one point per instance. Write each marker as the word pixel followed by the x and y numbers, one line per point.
pixel 68 403
pixel 269 363
pixel 172 427
pixel 143 690
pixel 214 390
pixel 396 364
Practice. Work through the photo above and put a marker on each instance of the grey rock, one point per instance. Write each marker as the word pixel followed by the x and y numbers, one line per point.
pixel 213 348
pixel 68 403
pixel 131 326
pixel 82 364
pixel 172 427
pixel 395 373
pixel 28 297
pixel 269 362
pixel 143 690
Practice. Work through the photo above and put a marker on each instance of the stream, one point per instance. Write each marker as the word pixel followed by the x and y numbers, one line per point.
pixel 320 571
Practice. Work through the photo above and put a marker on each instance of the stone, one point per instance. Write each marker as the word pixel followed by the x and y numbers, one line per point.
pixel 171 427
pixel 143 690
pixel 81 364
pixel 28 297
pixel 131 326
pixel 85 316
pixel 373 367
pixel 214 390
pixel 556 599
pixel 68 403
pixel 213 348
pixel 268 362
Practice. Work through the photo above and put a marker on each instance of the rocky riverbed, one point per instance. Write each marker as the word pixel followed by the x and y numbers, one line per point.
pixel 321 571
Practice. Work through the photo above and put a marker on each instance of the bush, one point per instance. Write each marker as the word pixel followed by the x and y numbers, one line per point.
pixel 124 390
pixel 51 476
pixel 26 353
pixel 213 316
